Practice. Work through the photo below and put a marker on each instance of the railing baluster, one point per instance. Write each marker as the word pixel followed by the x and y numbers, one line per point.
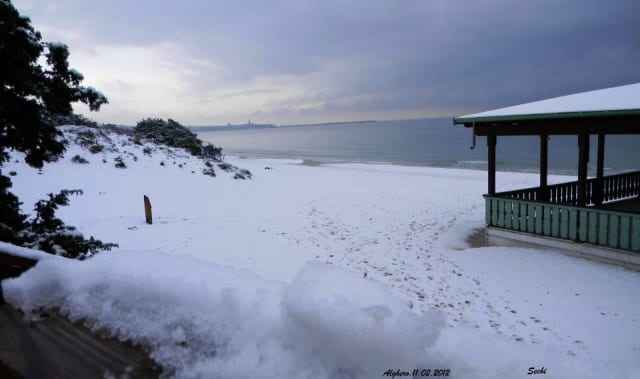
pixel 627 183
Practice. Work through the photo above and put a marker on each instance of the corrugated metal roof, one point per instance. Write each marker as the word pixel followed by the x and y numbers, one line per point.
pixel 620 100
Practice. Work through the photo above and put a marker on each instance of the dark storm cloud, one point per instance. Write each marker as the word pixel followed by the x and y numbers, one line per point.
pixel 385 55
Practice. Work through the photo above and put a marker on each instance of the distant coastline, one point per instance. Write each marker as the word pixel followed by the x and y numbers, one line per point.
pixel 330 123
pixel 215 128
pixel 253 126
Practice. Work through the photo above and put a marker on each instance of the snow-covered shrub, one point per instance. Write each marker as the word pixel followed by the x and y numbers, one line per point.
pixel 79 159
pixel 242 174
pixel 119 162
pixel 209 171
pixel 11 219
pixel 86 138
pixel 95 149
pixel 227 167
pixel 48 233
pixel 169 133
pixel 71 119
pixel 212 152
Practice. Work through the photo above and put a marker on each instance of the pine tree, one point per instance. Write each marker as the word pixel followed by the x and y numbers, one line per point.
pixel 32 94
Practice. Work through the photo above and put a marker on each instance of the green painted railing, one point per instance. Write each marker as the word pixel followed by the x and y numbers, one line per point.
pixel 615 187
pixel 559 216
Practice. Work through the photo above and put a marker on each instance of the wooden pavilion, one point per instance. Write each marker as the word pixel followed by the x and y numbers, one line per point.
pixel 603 211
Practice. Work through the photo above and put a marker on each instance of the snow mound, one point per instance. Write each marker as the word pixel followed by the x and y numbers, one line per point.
pixel 204 320
pixel 355 325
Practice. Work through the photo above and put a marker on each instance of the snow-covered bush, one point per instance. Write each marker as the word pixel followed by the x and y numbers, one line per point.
pixel 95 149
pixel 79 159
pixel 212 152
pixel 120 162
pixel 226 167
pixel 86 138
pixel 171 133
pixel 242 174
pixel 48 233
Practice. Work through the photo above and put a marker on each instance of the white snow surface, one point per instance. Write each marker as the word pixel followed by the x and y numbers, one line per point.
pixel 620 98
pixel 330 271
pixel 23 252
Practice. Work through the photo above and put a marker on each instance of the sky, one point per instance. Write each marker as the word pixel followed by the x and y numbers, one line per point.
pixel 212 62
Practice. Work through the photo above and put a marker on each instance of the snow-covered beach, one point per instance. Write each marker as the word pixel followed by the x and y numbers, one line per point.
pixel 337 270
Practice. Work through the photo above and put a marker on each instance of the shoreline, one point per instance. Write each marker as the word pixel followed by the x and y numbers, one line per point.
pixel 317 162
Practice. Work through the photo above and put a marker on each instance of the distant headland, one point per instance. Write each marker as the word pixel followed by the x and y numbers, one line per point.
pixel 214 128
pixel 251 125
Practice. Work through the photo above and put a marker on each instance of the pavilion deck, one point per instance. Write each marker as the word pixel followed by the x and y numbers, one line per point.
pixel 611 216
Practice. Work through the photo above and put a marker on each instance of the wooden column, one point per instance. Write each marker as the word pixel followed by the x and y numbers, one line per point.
pixel 583 160
pixel 491 169
pixel 543 195
pixel 147 210
pixel 599 195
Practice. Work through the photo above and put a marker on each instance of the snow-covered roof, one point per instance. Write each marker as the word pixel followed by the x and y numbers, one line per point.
pixel 609 101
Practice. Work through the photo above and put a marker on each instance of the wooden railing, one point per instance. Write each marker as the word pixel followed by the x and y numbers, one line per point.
pixel 619 230
pixel 615 187
pixel 559 217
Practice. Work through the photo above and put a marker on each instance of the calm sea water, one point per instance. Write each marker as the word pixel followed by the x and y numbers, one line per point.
pixel 427 142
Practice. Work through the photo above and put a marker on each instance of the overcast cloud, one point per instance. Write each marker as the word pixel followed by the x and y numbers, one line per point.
pixel 297 61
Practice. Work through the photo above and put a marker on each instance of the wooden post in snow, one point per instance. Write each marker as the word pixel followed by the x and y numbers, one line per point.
pixel 147 210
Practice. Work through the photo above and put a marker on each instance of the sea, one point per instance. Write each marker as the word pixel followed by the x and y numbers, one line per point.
pixel 432 142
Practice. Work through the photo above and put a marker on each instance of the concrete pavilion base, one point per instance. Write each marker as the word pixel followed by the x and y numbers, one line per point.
pixel 501 237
